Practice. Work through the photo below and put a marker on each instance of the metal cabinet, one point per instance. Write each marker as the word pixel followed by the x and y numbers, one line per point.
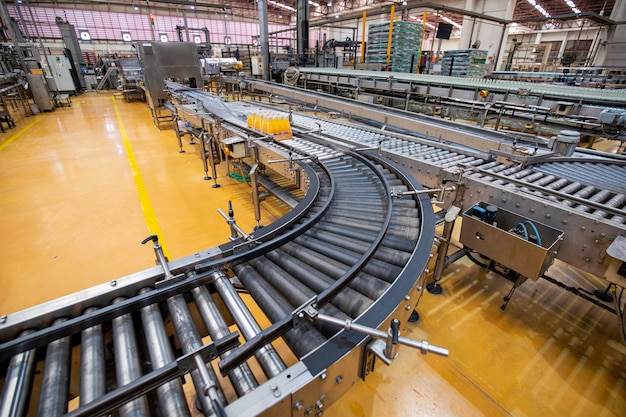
pixel 39 90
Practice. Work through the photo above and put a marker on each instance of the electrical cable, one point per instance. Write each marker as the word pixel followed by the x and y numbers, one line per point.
pixel 522 229
pixel 620 312
pixel 532 226
pixel 469 254
pixel 291 76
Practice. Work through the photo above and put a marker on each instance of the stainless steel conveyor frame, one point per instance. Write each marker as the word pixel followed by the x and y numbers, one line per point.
pixel 369 284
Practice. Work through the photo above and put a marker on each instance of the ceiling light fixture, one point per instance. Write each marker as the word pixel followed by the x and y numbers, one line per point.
pixel 280 5
pixel 539 8
pixel 452 22
pixel 572 6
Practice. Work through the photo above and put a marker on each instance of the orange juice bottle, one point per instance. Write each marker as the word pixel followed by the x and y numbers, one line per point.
pixel 266 123
pixel 286 125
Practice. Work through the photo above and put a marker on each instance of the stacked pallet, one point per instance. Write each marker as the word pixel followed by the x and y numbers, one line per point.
pixel 406 39
pixel 464 63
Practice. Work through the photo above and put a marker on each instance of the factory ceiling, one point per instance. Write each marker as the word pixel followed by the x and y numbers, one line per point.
pixel 525 9
pixel 284 10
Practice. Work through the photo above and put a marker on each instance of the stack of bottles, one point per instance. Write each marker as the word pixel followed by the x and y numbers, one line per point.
pixel 271 123
pixel 464 63
pixel 406 40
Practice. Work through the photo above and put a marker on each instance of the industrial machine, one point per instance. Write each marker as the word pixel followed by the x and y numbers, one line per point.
pixel 39 91
pixel 58 73
pixel 525 108
pixel 131 79
pixel 573 199
pixel 162 61
pixel 348 53
pixel 334 276
pixel 106 72
pixel 73 52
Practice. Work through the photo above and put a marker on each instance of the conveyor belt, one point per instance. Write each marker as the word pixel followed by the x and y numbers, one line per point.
pixel 581 195
pixel 356 252
pixel 602 179
pixel 594 95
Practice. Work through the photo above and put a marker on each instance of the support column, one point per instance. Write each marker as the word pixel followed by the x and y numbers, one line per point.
pixel 302 25
pixel 612 49
pixel 186 25
pixel 469 26
pixel 264 39
pixel 485 33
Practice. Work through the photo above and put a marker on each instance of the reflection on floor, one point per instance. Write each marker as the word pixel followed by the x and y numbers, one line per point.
pixel 73 217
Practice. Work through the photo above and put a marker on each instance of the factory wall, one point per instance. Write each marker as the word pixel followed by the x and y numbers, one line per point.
pixel 612 50
pixel 588 43
pixel 109 26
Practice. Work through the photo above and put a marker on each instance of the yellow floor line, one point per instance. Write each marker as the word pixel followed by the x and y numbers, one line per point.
pixel 144 198
pixel 20 133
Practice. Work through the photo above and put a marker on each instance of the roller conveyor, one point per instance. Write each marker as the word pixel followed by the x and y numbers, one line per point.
pixel 137 335
pixel 542 182
pixel 347 255
pixel 578 194
pixel 594 95
pixel 533 108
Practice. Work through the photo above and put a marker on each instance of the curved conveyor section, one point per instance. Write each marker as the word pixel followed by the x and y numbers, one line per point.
pixel 348 249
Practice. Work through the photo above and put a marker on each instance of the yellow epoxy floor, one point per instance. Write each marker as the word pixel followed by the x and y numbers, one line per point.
pixel 72 217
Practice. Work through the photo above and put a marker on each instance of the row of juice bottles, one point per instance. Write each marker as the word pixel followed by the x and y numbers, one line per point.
pixel 269 122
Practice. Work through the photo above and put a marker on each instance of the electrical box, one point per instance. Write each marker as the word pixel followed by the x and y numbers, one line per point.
pixel 235 147
pixel 616 272
pixel 563 108
pixel 59 69
pixel 523 245
pixel 256 65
